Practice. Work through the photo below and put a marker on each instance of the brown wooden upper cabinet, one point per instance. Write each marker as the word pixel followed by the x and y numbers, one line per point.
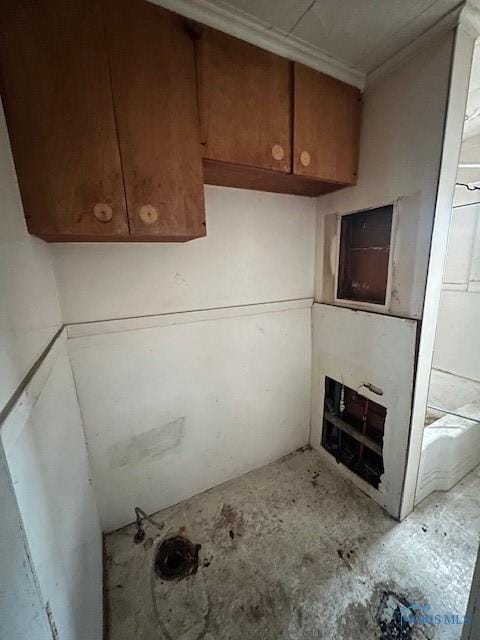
pixel 105 138
pixel 154 92
pixel 326 127
pixel 113 106
pixel 56 93
pixel 253 104
pixel 245 102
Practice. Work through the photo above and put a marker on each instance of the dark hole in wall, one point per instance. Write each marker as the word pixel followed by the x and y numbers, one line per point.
pixel 364 255
pixel 353 429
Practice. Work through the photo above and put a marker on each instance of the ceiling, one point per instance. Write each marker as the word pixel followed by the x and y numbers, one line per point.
pixel 347 39
pixel 362 34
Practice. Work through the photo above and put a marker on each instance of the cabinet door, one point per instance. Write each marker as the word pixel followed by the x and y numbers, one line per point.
pixel 326 127
pixel 56 92
pixel 154 90
pixel 245 103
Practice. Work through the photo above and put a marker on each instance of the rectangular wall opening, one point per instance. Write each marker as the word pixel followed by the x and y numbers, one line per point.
pixel 353 429
pixel 364 255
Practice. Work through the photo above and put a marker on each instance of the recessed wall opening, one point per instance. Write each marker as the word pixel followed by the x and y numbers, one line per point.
pixel 353 428
pixel 364 255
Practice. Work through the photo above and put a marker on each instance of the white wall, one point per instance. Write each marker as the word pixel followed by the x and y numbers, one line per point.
pixel 45 449
pixel 449 392
pixel 22 610
pixel 462 262
pixel 400 148
pixel 29 307
pixel 173 409
pixel 29 317
pixel 259 248
pixel 470 153
pixel 50 546
pixel 457 341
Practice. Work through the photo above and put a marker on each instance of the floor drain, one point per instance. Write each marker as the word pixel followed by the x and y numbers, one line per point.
pixel 176 558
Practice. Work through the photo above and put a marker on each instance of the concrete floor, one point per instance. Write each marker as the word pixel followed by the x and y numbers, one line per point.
pixel 293 551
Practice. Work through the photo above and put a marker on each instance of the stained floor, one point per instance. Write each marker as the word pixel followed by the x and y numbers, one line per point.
pixel 293 551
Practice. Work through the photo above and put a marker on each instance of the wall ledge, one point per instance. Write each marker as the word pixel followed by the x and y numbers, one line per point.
pixel 82 329
pixel 30 379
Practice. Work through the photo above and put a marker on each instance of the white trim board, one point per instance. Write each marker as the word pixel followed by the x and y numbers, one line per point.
pixel 457 100
pixel 241 25
pixel 146 322
pixel 25 401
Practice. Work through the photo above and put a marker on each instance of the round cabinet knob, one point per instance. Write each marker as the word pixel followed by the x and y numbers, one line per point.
pixel 148 214
pixel 103 212
pixel 305 158
pixel 277 152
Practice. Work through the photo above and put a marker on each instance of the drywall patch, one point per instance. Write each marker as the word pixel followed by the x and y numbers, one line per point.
pixel 149 445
